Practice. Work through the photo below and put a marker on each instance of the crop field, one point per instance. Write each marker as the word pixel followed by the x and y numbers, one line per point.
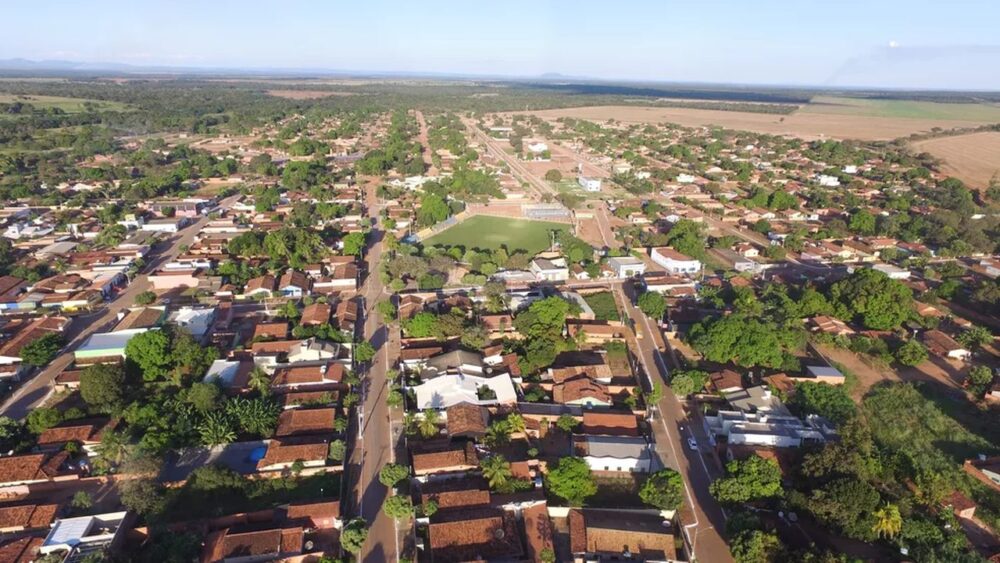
pixel 69 105
pixel 972 158
pixel 494 232
pixel 843 123
pixel 910 109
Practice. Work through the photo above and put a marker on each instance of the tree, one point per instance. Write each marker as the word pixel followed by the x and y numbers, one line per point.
pixel 975 338
pixel 873 299
pixel 338 450
pixel 746 341
pixel 888 521
pixel 543 319
pixel 979 380
pixel 685 383
pixel 363 352
pixel 150 351
pixel 354 534
pixel 829 401
pixel 82 500
pixel 748 480
pixel 41 351
pixel 567 423
pixel 911 353
pixel 433 209
pixel 496 470
pixel 145 298
pixel 571 479
pixel 203 396
pixel 398 507
pixel 354 244
pixel 387 310
pixel 554 175
pixel 862 222
pixel 755 546
pixel 421 325
pixel 664 490
pixel 41 419
pixel 259 381
pixel 102 386
pixel 848 505
pixel 392 473
pixel 428 423
pixel 215 429
pixel 653 305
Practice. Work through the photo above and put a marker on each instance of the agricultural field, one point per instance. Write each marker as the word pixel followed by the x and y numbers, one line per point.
pixel 805 123
pixel 909 109
pixel 483 231
pixel 972 158
pixel 69 105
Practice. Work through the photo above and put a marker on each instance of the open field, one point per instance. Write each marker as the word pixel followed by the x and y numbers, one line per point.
pixel 306 94
pixel 484 231
pixel 803 124
pixel 972 158
pixel 909 109
pixel 69 105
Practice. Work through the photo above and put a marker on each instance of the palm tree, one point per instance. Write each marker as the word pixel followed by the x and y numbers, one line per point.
pixel 113 447
pixel 428 423
pixel 515 422
pixel 260 381
pixel 496 470
pixel 497 434
pixel 888 522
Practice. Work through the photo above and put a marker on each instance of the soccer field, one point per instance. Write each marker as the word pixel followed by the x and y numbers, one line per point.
pixel 488 232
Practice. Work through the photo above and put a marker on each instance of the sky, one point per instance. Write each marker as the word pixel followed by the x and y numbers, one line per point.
pixel 873 43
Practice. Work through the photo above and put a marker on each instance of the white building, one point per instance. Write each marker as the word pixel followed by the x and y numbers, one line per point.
pixel 550 270
pixel 78 537
pixel 674 262
pixel 589 184
pixel 685 179
pixel 894 272
pixel 451 389
pixel 538 147
pixel 626 266
pixel 828 181
pixel 624 454
pixel 168 225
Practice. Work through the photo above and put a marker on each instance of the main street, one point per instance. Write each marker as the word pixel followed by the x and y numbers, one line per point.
pixel 377 435
pixel 702 517
pixel 33 392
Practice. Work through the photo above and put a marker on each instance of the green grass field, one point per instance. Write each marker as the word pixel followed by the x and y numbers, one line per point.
pixel 69 105
pixel 902 108
pixel 487 232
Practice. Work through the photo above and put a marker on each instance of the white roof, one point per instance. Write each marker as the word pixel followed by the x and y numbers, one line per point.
pixel 447 390
pixel 72 531
pixel 222 370
pixel 110 340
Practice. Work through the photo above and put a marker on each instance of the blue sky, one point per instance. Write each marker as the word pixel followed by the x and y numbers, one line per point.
pixel 886 43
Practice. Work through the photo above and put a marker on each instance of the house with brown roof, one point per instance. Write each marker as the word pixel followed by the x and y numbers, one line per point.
pixel 35 468
pixel 945 346
pixel 346 315
pixel 86 432
pixel 725 380
pixel 433 459
pixel 596 332
pixel 23 517
pixel 314 514
pixel 294 284
pixel 610 423
pixel 306 375
pixel 455 493
pixel 262 286
pixel 142 317
pixel 342 278
pixel 466 420
pixel 611 534
pixel 297 422
pixel 829 325
pixel 20 333
pixel 266 331
pixel 316 314
pixel 253 543
pixel 284 452
pixel 474 534
pixel 581 390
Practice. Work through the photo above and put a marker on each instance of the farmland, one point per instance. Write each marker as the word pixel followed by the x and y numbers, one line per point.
pixel 810 122
pixel 972 158
pixel 493 232
pixel 68 105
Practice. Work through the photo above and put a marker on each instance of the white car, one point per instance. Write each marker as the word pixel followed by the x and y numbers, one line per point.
pixel 692 443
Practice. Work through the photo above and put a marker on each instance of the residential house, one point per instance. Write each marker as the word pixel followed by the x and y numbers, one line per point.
pixel 549 270
pixel 430 460
pixel 294 284
pixel 674 262
pixel 283 453
pixel 250 543
pixel 626 266
pixel 945 346
pixel 622 454
pixel 607 535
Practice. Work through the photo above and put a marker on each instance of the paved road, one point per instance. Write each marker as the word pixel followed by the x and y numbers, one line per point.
pixel 702 518
pixel 517 168
pixel 31 393
pixel 377 441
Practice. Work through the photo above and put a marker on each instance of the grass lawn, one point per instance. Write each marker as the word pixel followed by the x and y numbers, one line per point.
pixel 618 492
pixel 603 305
pixel 487 232
pixel 69 105
pixel 902 108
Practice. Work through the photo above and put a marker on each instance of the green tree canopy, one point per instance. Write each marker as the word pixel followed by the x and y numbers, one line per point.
pixel 102 386
pixel 653 305
pixel 663 489
pixel 571 479
pixel 41 351
pixel 752 479
pixel 873 299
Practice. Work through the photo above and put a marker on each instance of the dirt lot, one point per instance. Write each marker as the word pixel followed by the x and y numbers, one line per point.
pixel 972 158
pixel 306 94
pixel 948 374
pixel 800 124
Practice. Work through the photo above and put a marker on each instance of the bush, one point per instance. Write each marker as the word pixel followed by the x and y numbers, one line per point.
pixel 911 353
pixel 554 175
pixel 40 352
pixel 145 298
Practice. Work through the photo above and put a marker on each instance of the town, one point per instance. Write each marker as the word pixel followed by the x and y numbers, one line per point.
pixel 326 328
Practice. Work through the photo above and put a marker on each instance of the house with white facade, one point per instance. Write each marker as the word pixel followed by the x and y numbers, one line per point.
pixel 624 454
pixel 626 266
pixel 673 261
pixel 589 184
